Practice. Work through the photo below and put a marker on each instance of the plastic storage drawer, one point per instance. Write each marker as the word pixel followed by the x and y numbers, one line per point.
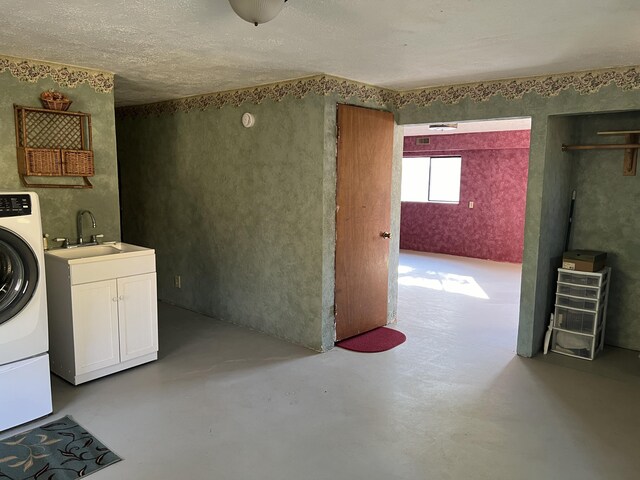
pixel 577 291
pixel 580 321
pixel 577 302
pixel 583 346
pixel 583 278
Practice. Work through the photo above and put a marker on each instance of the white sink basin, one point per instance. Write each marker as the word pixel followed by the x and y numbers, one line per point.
pixel 84 252
pixel 96 263
pixel 98 252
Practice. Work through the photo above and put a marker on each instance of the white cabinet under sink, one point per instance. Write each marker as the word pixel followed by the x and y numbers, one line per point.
pixel 103 315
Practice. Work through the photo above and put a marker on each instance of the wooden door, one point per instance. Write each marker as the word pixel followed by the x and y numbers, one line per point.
pixel 138 316
pixel 95 325
pixel 363 219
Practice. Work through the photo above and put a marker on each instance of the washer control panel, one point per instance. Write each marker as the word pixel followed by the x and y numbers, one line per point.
pixel 14 205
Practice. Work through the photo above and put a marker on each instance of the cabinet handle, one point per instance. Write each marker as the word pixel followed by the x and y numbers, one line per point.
pixel 114 299
pixel 121 297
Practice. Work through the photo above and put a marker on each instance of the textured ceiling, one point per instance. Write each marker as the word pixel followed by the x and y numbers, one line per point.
pixel 162 49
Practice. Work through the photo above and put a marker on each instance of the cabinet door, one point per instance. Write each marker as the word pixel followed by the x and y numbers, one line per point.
pixel 95 325
pixel 138 314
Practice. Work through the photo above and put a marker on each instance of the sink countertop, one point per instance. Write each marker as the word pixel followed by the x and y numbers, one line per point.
pixel 98 253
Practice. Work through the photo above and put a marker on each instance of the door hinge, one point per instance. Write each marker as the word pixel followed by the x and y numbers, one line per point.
pixel 335 310
pixel 338 133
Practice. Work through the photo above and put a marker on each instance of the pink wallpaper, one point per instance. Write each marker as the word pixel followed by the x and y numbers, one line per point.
pixel 494 177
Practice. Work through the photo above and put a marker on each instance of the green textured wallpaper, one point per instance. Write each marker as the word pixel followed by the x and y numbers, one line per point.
pixel 606 219
pixel 547 191
pixel 189 172
pixel 246 217
pixel 236 212
pixel 328 223
pixel 555 214
pixel 59 206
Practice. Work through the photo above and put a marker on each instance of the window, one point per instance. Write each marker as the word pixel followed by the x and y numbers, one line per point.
pixel 431 179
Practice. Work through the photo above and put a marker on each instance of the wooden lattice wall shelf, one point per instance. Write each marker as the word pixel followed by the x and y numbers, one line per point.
pixel 53 143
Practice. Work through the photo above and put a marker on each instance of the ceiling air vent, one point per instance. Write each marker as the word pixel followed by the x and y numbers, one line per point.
pixel 422 141
pixel 443 127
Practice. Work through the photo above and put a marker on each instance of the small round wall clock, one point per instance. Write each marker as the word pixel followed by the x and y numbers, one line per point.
pixel 248 120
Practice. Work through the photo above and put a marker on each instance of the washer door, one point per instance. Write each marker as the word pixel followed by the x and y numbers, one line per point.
pixel 18 274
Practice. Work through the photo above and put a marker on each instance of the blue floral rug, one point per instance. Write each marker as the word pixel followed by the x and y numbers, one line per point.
pixel 60 450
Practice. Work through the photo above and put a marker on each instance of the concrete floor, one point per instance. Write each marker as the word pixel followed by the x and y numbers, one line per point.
pixel 453 402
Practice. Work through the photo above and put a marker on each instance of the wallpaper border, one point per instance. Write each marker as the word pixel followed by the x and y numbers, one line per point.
pixel 627 78
pixel 298 88
pixel 66 76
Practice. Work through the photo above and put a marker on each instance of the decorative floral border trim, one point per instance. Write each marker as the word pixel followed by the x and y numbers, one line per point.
pixel 546 86
pixel 31 71
pixel 300 88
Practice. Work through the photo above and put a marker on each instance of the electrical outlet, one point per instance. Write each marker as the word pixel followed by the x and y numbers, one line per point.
pixel 177 281
pixel 470 204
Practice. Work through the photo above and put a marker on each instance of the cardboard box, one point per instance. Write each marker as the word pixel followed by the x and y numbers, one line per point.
pixel 584 260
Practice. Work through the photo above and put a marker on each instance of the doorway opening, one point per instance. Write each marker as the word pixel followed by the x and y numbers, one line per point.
pixel 463 194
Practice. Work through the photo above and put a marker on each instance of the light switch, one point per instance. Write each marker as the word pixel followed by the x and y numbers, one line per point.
pixel 470 204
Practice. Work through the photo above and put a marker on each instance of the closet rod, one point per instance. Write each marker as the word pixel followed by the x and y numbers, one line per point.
pixel 605 146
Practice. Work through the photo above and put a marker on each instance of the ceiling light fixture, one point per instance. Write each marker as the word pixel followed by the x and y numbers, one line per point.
pixel 441 127
pixel 257 11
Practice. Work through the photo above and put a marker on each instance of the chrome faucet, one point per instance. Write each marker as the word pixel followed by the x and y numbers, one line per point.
pixel 79 224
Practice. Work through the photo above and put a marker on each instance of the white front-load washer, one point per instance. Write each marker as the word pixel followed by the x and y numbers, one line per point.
pixel 25 388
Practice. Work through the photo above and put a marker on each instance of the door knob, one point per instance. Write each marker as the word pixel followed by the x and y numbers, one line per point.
pixel 385 234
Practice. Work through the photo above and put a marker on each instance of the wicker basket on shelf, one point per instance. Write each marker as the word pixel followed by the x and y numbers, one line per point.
pixel 39 162
pixel 78 162
pixel 55 100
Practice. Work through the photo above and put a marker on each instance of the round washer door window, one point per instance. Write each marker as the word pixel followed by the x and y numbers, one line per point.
pixel 18 274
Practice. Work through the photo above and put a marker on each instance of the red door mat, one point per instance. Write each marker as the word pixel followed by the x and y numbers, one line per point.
pixel 377 340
